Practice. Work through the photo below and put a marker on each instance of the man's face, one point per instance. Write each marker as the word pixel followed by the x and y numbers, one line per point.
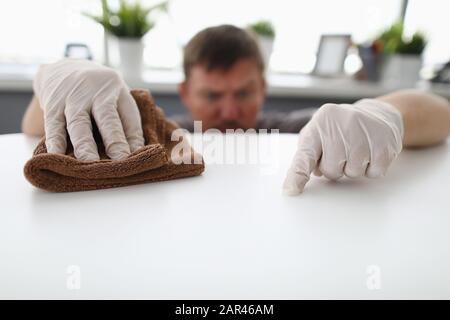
pixel 228 99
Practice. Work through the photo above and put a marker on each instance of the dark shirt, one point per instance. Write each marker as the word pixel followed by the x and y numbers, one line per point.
pixel 285 122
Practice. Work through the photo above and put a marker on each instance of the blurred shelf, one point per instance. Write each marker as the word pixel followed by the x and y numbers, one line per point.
pixel 17 78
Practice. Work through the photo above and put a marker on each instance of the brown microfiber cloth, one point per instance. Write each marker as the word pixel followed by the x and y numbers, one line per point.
pixel 63 173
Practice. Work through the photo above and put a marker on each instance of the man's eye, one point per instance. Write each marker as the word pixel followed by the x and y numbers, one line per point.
pixel 243 94
pixel 212 96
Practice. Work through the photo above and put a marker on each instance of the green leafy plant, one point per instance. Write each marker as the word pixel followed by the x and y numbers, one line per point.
pixel 129 21
pixel 263 28
pixel 392 41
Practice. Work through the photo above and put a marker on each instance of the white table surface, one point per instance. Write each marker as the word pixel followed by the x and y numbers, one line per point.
pixel 230 234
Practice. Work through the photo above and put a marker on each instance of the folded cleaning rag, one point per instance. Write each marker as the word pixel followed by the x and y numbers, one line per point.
pixel 153 162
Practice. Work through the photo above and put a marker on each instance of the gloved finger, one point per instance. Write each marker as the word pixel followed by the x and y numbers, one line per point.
pixel 110 127
pixel 333 159
pixel 381 159
pixel 55 130
pixel 79 127
pixel 131 120
pixel 304 162
pixel 37 80
pixel 355 169
pixel 357 162
pixel 317 171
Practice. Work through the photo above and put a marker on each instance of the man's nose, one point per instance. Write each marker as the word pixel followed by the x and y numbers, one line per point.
pixel 230 109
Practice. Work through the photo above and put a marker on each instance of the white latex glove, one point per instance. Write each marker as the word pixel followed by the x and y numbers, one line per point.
pixel 70 91
pixel 360 139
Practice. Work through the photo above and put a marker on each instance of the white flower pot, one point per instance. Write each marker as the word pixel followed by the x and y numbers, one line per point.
pixel 401 69
pixel 266 47
pixel 131 57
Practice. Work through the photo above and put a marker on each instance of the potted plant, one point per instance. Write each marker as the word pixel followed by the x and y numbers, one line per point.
pixel 402 57
pixel 129 23
pixel 265 35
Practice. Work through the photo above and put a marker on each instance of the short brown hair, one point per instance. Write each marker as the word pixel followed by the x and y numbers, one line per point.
pixel 221 47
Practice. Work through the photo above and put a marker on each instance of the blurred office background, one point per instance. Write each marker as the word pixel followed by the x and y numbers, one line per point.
pixel 35 32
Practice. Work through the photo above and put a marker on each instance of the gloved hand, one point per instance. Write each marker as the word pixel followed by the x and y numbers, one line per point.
pixel 70 91
pixel 360 139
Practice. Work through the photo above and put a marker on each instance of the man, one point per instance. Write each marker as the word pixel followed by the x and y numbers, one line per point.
pixel 224 84
pixel 224 87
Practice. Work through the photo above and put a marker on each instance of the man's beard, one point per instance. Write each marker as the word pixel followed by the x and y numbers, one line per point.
pixel 224 125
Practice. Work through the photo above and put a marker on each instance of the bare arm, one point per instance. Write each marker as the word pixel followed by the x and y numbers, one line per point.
pixel 426 116
pixel 33 119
